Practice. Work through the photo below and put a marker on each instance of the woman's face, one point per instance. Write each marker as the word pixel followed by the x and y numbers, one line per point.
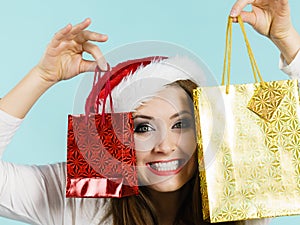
pixel 165 140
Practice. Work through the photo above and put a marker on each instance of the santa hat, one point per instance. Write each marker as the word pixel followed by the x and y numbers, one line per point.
pixel 135 81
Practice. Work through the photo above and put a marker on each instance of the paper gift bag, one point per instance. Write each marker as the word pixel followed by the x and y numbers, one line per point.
pixel 249 146
pixel 100 149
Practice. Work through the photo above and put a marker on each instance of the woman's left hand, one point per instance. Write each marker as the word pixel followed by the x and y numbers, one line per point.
pixel 272 19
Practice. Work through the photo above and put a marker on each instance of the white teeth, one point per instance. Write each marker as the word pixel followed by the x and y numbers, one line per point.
pixel 165 166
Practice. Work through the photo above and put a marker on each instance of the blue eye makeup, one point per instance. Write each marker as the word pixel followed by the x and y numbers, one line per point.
pixel 183 123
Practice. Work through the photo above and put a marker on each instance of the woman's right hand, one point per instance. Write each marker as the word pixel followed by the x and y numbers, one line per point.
pixel 63 59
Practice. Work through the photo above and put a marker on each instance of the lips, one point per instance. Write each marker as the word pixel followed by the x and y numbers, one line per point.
pixel 166 168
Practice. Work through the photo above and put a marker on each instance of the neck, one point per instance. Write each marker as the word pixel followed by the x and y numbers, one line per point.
pixel 167 204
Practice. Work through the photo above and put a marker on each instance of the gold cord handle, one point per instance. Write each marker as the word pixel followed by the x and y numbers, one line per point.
pixel 227 55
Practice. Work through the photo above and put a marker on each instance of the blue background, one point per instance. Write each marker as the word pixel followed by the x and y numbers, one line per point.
pixel 27 26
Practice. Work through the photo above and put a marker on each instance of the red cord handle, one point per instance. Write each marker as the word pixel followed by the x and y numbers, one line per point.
pixel 100 83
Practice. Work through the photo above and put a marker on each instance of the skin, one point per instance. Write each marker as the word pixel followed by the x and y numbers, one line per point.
pixel 62 60
pixel 271 18
pixel 164 131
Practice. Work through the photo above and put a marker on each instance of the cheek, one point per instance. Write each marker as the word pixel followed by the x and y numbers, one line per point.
pixel 144 143
pixel 141 158
pixel 192 165
pixel 187 142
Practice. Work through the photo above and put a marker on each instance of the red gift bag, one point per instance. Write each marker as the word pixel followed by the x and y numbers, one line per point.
pixel 101 159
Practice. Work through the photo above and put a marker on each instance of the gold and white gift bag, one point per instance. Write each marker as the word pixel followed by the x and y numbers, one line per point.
pixel 249 147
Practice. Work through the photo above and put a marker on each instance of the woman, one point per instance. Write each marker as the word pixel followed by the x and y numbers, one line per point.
pixel 36 194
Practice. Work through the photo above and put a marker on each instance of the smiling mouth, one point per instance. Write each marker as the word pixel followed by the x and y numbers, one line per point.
pixel 166 168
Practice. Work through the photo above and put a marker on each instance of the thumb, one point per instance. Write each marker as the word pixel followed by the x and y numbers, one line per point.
pixel 87 66
pixel 248 17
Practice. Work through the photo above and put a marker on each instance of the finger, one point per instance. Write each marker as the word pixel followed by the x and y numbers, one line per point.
pixel 238 6
pixel 81 26
pixel 64 34
pixel 95 51
pixel 60 35
pixel 93 36
pixel 247 17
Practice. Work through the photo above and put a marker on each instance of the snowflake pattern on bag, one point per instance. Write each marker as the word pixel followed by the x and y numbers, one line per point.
pixel 255 169
pixel 101 159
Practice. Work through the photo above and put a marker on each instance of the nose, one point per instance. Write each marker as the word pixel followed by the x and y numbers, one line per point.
pixel 166 143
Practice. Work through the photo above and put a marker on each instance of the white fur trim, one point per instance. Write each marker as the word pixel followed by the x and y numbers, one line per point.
pixel 147 81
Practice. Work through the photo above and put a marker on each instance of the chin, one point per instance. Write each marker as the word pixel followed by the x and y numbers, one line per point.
pixel 168 185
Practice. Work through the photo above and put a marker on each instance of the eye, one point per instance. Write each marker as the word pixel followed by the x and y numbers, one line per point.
pixel 183 123
pixel 143 128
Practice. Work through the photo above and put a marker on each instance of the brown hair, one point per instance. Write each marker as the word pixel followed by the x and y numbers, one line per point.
pixel 140 210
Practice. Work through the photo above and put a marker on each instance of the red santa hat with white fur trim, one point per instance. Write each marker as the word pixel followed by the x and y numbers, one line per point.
pixel 135 81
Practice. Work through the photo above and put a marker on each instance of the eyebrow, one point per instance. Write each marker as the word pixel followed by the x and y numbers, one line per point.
pixel 143 117
pixel 172 117
pixel 180 114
